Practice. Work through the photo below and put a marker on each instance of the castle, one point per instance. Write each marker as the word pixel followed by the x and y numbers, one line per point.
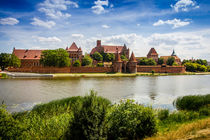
pixel 30 60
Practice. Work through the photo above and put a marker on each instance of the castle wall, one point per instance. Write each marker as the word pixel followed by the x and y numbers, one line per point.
pixel 160 69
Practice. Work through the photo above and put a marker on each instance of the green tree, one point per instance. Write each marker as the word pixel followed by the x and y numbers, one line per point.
pixel 170 61
pixel 87 60
pixel 97 56
pixel 201 68
pixel 109 57
pixel 192 67
pixel 89 119
pixel 55 58
pixel 100 64
pixel 160 61
pixel 146 61
pixel 123 58
pixel 77 63
pixel 7 60
pixel 151 61
pixel 201 62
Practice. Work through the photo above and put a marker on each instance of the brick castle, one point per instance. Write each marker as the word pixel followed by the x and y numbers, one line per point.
pixel 30 61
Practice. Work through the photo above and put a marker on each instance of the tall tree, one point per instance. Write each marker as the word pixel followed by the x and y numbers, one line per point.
pixel 97 56
pixel 87 60
pixel 160 61
pixel 170 61
pixel 55 58
pixel 7 60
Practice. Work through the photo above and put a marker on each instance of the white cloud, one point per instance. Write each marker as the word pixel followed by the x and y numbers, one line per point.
pixel 105 26
pixel 98 7
pixel 54 8
pixel 185 5
pixel 138 24
pixel 47 39
pixel 77 35
pixel 175 22
pixel 46 24
pixel 9 21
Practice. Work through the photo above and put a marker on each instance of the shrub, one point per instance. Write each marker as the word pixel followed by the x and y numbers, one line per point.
pixel 192 102
pixel 163 114
pixel 146 61
pixel 97 56
pixel 160 61
pixel 204 111
pixel 100 64
pixel 123 58
pixel 87 60
pixel 77 63
pixel 89 119
pixel 129 120
pixel 201 68
pixel 182 116
pixel 208 68
pixel 170 61
pixel 9 127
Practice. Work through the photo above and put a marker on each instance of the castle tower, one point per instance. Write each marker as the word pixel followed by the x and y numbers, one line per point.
pixel 153 54
pixel 117 65
pixel 132 64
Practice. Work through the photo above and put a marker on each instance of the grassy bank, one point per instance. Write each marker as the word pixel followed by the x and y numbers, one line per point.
pixel 94 116
pixel 3 75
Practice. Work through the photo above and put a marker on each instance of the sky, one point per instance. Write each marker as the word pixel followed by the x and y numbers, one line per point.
pixel 182 25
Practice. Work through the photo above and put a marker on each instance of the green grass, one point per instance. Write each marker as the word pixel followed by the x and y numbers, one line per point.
pixel 3 75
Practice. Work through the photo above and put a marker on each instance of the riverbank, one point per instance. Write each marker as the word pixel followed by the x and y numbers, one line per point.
pixel 60 75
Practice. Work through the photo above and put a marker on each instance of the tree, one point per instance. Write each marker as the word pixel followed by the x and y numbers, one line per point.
pixel 109 57
pixel 77 63
pixel 146 61
pixel 201 68
pixel 124 58
pixel 87 60
pixel 170 61
pixel 201 62
pixel 55 58
pixel 160 61
pixel 192 67
pixel 7 60
pixel 97 56
pixel 151 61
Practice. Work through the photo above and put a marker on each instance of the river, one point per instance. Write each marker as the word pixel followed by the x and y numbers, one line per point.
pixel 159 91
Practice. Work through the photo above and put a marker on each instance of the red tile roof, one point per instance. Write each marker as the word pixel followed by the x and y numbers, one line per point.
pixel 73 47
pixel 112 49
pixel 152 52
pixel 27 54
pixel 132 58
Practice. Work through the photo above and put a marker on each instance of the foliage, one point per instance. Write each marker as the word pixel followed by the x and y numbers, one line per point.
pixel 7 60
pixel 163 114
pixel 201 68
pixel 87 60
pixel 204 111
pixel 109 57
pixel 160 61
pixel 55 58
pixel 9 127
pixel 191 67
pixel 201 62
pixel 196 65
pixel 170 61
pixel 100 64
pixel 192 102
pixel 97 56
pixel 89 118
pixel 129 120
pixel 77 63
pixel 208 68
pixel 123 58
pixel 146 61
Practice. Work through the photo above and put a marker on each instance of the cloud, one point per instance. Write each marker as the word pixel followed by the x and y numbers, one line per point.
pixel 175 22
pixel 138 24
pixel 105 26
pixel 98 7
pixel 185 5
pixel 77 35
pixel 54 8
pixel 53 39
pixel 46 24
pixel 9 21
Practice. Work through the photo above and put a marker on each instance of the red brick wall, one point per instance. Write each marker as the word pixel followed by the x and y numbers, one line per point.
pixel 90 69
pixel 159 69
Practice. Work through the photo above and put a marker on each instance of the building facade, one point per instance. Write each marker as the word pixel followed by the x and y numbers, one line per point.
pixel 153 54
pixel 75 53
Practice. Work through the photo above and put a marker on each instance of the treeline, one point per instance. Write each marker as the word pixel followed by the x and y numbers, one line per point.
pixel 198 65
pixel 94 117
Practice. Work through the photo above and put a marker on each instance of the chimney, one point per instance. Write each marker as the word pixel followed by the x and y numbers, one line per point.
pixel 98 43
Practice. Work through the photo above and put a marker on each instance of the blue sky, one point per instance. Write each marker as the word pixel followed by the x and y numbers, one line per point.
pixel 183 25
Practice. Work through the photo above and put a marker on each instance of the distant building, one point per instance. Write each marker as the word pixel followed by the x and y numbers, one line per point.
pixel 123 50
pixel 153 54
pixel 75 53
pixel 27 57
pixel 177 59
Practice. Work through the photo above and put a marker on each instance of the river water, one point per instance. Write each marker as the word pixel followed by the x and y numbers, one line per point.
pixel 159 91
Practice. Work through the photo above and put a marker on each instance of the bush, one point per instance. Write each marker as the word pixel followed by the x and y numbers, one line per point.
pixel 208 68
pixel 129 120
pixel 192 102
pixel 204 111
pixel 87 61
pixel 160 61
pixel 201 68
pixel 170 61
pixel 77 63
pixel 97 56
pixel 9 127
pixel 183 116
pixel 89 119
pixel 123 58
pixel 192 67
pixel 163 114
pixel 100 64
pixel 146 61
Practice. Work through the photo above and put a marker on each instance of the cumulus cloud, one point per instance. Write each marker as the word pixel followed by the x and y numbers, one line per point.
pixel 185 5
pixel 9 21
pixel 54 8
pixel 98 8
pixel 77 35
pixel 175 22
pixel 105 26
pixel 48 39
pixel 46 24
